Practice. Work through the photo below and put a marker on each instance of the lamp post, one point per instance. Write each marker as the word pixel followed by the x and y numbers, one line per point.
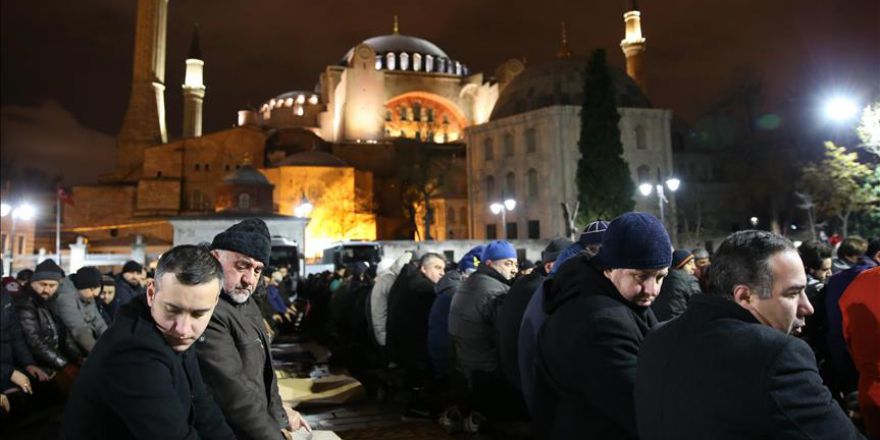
pixel 23 211
pixel 502 208
pixel 672 184
pixel 303 209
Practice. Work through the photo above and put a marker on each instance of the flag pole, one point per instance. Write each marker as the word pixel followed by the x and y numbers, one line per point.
pixel 58 226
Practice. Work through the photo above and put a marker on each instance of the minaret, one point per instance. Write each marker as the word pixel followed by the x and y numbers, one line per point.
pixel 144 122
pixel 193 89
pixel 564 51
pixel 633 45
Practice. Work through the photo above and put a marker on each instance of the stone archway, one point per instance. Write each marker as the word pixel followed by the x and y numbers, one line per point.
pixel 425 117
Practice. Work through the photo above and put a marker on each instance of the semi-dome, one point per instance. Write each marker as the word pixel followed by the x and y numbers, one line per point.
pixel 405 52
pixel 246 175
pixel 313 159
pixel 560 82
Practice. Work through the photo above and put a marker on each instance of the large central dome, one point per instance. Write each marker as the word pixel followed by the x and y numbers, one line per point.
pixel 401 52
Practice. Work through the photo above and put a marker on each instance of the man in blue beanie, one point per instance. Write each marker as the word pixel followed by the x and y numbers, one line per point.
pixel 472 326
pixel 598 314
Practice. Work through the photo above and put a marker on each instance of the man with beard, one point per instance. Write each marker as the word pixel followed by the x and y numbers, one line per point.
pixel 75 305
pixel 598 314
pixel 234 350
pixel 728 367
pixel 128 284
pixel 142 379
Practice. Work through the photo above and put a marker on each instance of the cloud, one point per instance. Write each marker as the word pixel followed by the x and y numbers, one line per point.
pixel 48 137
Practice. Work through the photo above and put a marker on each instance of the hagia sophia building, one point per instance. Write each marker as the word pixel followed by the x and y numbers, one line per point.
pixel 395 125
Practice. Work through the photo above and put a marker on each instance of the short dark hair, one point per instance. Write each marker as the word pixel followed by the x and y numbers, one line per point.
pixel 743 258
pixel 430 256
pixel 191 265
pixel 813 252
pixel 852 246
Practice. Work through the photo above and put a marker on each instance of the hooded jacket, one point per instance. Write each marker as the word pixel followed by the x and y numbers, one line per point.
pixel 587 351
pixel 237 367
pixel 472 320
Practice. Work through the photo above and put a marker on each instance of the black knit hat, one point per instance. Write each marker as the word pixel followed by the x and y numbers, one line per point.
pixel 47 270
pixel 132 266
pixel 249 237
pixel 86 278
pixel 554 248
pixel 680 257
pixel 636 240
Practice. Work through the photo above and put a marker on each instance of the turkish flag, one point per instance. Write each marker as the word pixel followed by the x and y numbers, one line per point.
pixel 64 196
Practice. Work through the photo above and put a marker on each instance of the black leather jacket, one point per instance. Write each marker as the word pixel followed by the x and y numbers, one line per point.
pixel 48 340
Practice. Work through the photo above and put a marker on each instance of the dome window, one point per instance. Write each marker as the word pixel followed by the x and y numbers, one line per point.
pixel 442 67
pixel 417 62
pixel 288 102
pixel 300 99
pixel 390 63
pixel 298 110
pixel 404 61
pixel 378 62
pixel 313 100
pixel 429 63
pixel 458 68
pixel 244 201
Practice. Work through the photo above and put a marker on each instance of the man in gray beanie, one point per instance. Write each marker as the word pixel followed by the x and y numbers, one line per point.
pixel 598 314
pixel 233 351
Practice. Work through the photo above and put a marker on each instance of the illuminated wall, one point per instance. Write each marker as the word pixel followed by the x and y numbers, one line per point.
pixel 425 117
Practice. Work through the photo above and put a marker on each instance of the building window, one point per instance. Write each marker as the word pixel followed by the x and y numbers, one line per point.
pixel 644 174
pixel 244 201
pixel 532 182
pixel 417 62
pixel 489 149
pixel 390 61
pixel 429 63
pixel 449 255
pixel 227 167
pixel 207 167
pixel 491 232
pixel 158 174
pixel 641 142
pixel 20 244
pixel 198 167
pixel 508 145
pixel 378 62
pixel 404 61
pixel 534 229
pixel 512 233
pixel 450 215
pixel 490 187
pixel 531 142
pixel 197 201
pixel 510 185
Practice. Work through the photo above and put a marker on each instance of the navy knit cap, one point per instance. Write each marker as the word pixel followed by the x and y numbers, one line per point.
pixel 636 240
pixel 553 249
pixel 498 250
pixel 47 270
pixel 249 237
pixel 471 259
pixel 680 257
pixel 593 233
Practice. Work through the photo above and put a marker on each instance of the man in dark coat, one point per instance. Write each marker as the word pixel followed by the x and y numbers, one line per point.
pixel 439 346
pixel 234 350
pixel 599 313
pixel 49 341
pixel 511 313
pixel 408 310
pixel 142 378
pixel 128 285
pixel 728 368
pixel 678 287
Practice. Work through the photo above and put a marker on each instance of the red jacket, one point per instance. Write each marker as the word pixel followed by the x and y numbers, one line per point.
pixel 860 306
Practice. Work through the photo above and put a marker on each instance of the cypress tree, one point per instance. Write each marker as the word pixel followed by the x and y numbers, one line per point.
pixel 605 188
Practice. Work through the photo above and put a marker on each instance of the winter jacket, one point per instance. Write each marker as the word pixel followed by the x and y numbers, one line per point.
pixel 587 351
pixel 124 293
pixel 678 288
pixel 237 367
pixel 14 353
pixel 133 385
pixel 510 319
pixel 379 297
pixel 439 348
pixel 408 310
pixel 717 373
pixel 274 298
pixel 82 318
pixel 472 320
pixel 860 306
pixel 48 340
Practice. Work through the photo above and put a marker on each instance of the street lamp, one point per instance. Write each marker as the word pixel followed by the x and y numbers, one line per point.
pixel 502 208
pixel 672 183
pixel 303 209
pixel 24 211
pixel 840 109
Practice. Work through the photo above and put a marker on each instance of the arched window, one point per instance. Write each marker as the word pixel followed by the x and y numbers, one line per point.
pixel 489 149
pixel 510 185
pixel 644 174
pixel 442 62
pixel 641 142
pixel 457 68
pixel 417 62
pixel 198 166
pixel 532 182
pixel 378 62
pixel 390 61
pixel 450 215
pixel 244 201
pixel 404 61
pixel 508 145
pixel 429 63
pixel 490 188
pixel 531 141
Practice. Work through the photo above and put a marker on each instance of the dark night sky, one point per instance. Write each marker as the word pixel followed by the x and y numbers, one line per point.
pixel 66 66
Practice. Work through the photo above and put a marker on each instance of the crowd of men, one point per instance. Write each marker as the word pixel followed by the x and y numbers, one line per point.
pixel 614 336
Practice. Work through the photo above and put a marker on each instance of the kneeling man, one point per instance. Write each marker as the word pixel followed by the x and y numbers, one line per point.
pixel 142 380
